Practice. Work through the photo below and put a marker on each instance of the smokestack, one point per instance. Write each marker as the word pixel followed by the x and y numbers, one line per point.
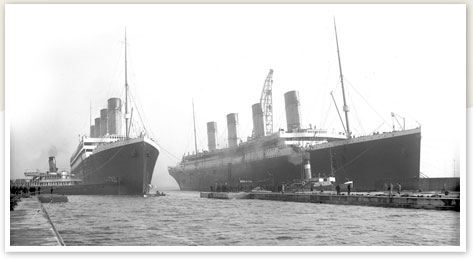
pixel 103 122
pixel 92 131
pixel 115 116
pixel 293 114
pixel 307 171
pixel 232 125
pixel 52 164
pixel 97 128
pixel 258 120
pixel 52 151
pixel 212 135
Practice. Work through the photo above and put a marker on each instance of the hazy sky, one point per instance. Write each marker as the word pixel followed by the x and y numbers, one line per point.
pixel 407 59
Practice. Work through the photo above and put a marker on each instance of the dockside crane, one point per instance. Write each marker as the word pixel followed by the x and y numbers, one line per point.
pixel 266 102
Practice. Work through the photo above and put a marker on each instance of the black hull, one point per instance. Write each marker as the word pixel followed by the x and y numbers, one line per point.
pixel 370 162
pixel 372 165
pixel 125 169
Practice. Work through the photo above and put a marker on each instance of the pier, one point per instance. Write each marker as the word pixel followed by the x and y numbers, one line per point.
pixel 52 198
pixel 225 195
pixel 419 201
pixel 30 225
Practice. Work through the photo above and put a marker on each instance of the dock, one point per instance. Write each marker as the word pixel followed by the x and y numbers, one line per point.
pixel 224 195
pixel 30 225
pixel 429 202
pixel 52 198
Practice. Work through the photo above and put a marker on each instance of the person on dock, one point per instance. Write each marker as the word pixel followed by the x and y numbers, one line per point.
pixel 338 189
pixel 391 189
pixel 399 189
pixel 444 189
pixel 349 188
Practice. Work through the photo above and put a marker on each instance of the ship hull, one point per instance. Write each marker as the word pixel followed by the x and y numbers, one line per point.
pixel 124 168
pixel 370 162
pixel 374 163
pixel 267 172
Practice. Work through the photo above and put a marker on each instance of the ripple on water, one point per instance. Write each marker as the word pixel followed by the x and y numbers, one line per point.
pixel 284 238
pixel 182 218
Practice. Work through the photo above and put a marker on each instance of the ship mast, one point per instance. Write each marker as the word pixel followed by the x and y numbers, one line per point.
pixel 195 132
pixel 90 117
pixel 126 95
pixel 345 106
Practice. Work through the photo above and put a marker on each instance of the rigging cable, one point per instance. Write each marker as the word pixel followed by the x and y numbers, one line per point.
pixel 352 86
pixel 356 113
pixel 342 167
pixel 327 113
pixel 133 98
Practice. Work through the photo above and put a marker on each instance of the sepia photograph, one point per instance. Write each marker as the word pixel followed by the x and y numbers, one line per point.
pixel 235 128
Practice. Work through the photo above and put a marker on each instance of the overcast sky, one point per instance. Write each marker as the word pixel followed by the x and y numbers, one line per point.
pixel 407 59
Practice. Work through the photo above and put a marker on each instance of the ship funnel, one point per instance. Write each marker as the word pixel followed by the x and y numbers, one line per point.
pixel 293 114
pixel 97 127
pixel 212 135
pixel 232 125
pixel 115 116
pixel 92 131
pixel 307 171
pixel 258 120
pixel 52 164
pixel 103 122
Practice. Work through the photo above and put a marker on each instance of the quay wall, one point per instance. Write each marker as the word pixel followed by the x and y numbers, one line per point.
pixel 435 203
pixel 437 184
pixel 424 184
pixel 30 225
pixel 431 202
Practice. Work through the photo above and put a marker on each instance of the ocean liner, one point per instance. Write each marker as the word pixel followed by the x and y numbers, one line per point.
pixel 109 162
pixel 299 154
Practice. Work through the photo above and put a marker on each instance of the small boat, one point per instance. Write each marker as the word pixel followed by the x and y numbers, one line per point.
pixel 259 189
pixel 320 181
pixel 157 194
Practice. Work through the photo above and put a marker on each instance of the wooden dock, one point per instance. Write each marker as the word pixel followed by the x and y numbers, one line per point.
pixel 433 202
pixel 30 225
pixel 224 195
pixel 52 198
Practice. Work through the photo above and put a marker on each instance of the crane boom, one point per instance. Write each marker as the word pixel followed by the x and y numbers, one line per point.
pixel 266 101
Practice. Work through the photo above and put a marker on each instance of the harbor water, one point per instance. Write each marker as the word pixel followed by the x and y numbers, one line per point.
pixel 185 219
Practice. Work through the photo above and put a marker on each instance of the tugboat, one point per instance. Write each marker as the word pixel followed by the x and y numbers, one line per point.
pixel 61 181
